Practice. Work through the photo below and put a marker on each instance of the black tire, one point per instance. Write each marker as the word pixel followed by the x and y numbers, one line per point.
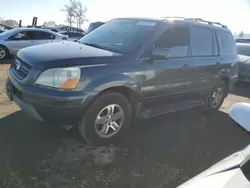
pixel 6 52
pixel 208 107
pixel 86 126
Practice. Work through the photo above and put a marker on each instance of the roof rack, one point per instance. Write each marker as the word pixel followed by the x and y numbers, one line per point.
pixel 205 21
pixel 174 17
pixel 197 20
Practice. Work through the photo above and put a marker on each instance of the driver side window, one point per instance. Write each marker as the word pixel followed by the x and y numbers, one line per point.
pixel 23 35
pixel 174 42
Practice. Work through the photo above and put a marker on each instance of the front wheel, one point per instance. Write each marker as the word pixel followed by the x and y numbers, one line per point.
pixel 3 53
pixel 216 97
pixel 106 119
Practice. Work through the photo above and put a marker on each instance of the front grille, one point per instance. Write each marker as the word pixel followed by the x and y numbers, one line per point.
pixel 20 69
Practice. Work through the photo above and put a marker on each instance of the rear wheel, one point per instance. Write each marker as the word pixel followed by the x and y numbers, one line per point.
pixel 106 119
pixel 216 97
pixel 4 53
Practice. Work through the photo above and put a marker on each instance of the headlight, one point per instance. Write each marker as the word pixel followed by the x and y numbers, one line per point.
pixel 61 78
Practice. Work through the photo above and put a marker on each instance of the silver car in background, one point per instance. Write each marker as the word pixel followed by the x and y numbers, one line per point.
pixel 13 40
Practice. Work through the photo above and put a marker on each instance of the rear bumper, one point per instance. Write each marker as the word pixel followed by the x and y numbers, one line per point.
pixel 45 104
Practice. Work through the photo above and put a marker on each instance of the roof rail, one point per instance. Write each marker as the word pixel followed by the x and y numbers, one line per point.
pixel 205 21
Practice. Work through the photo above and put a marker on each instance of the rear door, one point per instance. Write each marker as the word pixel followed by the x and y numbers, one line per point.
pixel 171 77
pixel 206 58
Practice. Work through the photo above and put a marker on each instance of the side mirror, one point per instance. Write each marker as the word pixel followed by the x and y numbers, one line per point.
pixel 160 54
pixel 240 113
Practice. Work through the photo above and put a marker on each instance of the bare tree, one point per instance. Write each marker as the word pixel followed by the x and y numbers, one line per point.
pixel 80 12
pixel 1 20
pixel 70 10
pixel 49 24
pixel 75 13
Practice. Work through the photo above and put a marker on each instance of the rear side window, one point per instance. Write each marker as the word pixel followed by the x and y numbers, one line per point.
pixel 175 41
pixel 202 42
pixel 40 35
pixel 227 43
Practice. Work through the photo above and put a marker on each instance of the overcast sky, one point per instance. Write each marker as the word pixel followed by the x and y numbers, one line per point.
pixel 233 13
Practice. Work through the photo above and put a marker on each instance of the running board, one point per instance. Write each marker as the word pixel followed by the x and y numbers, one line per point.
pixel 169 108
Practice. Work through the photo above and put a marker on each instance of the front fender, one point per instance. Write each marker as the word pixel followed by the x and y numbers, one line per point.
pixel 113 80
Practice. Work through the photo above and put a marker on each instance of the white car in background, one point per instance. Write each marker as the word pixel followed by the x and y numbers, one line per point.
pixel 13 40
pixel 233 171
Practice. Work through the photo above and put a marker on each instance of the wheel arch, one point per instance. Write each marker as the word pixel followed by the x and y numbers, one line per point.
pixel 127 92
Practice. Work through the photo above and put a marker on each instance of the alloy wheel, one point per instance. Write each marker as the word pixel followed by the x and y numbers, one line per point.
pixel 2 53
pixel 217 97
pixel 109 121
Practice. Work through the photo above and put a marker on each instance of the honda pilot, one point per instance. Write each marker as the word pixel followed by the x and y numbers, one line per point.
pixel 127 69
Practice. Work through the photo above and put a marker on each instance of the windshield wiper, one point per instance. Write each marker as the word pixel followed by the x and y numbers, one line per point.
pixel 94 45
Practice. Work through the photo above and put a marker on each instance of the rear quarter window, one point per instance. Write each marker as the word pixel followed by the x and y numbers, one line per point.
pixel 226 42
pixel 202 42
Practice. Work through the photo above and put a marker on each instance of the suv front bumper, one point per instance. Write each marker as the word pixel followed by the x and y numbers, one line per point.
pixel 45 104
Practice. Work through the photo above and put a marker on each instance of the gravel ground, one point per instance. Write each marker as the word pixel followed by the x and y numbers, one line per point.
pixel 160 152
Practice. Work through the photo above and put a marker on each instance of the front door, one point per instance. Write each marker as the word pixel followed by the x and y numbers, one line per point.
pixel 170 77
pixel 20 40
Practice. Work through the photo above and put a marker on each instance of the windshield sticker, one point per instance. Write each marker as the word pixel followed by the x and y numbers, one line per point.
pixel 146 23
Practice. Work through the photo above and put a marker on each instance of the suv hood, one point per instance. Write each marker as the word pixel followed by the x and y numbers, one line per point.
pixel 65 54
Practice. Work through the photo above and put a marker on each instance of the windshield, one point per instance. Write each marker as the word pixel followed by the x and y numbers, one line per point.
pixel 244 50
pixel 121 36
pixel 7 32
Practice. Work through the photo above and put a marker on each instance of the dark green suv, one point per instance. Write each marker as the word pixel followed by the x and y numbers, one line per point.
pixel 129 68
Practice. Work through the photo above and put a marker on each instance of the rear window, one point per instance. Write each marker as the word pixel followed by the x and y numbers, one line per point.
pixel 242 40
pixel 227 43
pixel 40 35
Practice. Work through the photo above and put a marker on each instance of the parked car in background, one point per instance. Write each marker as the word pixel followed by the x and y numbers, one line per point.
pixel 13 40
pixel 94 25
pixel 242 40
pixel 244 65
pixel 128 68
pixel 64 28
pixel 73 35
